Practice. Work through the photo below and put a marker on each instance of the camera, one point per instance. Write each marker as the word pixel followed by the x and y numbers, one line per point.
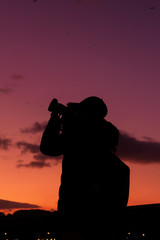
pixel 93 107
pixel 58 108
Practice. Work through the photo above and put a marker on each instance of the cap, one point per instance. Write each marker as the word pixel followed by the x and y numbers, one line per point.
pixel 94 106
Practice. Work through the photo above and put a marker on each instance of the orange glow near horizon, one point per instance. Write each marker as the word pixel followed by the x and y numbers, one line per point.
pixel 41 186
pixel 69 51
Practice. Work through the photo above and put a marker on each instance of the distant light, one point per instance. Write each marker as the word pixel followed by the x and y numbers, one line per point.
pixel 129 233
pixel 48 233
pixel 5 233
pixel 143 234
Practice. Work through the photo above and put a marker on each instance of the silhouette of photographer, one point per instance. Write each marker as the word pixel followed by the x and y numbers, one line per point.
pixel 94 181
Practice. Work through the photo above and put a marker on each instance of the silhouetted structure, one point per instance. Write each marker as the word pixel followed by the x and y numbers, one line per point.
pixel 94 181
pixel 140 222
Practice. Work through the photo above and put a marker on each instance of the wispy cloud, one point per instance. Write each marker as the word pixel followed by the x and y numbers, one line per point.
pixel 139 151
pixel 5 143
pixel 39 161
pixel 6 90
pixel 129 149
pixel 34 164
pixel 9 87
pixel 35 128
pixel 28 147
pixel 5 204
pixel 17 76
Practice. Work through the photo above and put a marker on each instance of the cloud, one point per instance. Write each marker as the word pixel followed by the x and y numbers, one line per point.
pixel 17 76
pixel 42 157
pixel 5 204
pixel 35 128
pixel 139 151
pixel 34 164
pixel 5 143
pixel 10 87
pixel 40 160
pixel 129 148
pixel 28 147
pixel 6 90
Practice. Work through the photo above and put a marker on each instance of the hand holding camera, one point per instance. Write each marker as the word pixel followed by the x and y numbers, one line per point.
pixel 56 108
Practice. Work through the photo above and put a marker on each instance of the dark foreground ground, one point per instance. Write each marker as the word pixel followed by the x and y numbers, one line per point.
pixel 140 222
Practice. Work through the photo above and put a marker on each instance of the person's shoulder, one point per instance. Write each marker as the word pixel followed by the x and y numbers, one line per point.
pixel 109 125
pixel 120 164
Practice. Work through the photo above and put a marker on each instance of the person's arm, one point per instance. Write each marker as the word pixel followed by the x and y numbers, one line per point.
pixel 52 142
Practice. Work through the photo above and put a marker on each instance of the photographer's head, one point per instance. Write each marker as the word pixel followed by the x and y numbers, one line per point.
pixel 93 107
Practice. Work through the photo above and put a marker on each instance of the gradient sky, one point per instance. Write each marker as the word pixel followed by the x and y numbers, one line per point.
pixel 71 49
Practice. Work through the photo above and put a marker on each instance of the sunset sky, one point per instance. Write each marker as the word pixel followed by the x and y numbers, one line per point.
pixel 72 49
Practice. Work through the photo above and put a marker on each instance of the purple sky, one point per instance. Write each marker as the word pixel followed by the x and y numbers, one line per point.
pixel 71 49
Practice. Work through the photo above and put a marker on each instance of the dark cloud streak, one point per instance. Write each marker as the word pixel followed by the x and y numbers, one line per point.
pixel 5 143
pixel 129 149
pixel 34 164
pixel 6 90
pixel 40 160
pixel 35 128
pixel 5 204
pixel 138 151
pixel 28 147
pixel 17 76
pixel 42 157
